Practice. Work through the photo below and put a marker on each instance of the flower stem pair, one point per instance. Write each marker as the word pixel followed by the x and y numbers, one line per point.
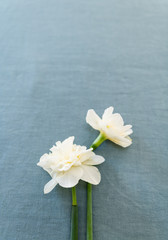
pixel 74 214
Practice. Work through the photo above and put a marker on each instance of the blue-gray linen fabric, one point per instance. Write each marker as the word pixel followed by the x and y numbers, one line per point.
pixel 59 58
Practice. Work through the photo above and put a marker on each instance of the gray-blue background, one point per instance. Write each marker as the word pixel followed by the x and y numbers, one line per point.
pixel 58 58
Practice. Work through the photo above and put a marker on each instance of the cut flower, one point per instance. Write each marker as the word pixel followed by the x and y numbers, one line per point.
pixel 67 163
pixel 111 126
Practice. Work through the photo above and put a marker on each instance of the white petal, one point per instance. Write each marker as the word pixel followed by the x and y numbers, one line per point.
pixel 65 167
pixel 125 144
pixel 49 171
pixel 69 140
pixel 43 160
pixel 91 174
pixel 50 185
pixel 108 113
pixel 95 160
pixel 65 147
pixel 45 164
pixel 122 141
pixel 67 144
pixel 58 143
pixel 128 132
pixel 93 119
pixel 39 164
pixel 86 155
pixel 54 149
pixel 118 119
pixel 70 178
pixel 126 127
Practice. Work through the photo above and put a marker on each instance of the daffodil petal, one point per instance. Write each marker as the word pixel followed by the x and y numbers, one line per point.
pixel 86 155
pixel 126 127
pixel 49 171
pixel 70 178
pixel 50 185
pixel 108 113
pixel 69 140
pixel 118 119
pixel 44 163
pixel 67 144
pixel 95 160
pixel 91 175
pixel 128 132
pixel 125 144
pixel 122 141
pixel 43 160
pixel 93 119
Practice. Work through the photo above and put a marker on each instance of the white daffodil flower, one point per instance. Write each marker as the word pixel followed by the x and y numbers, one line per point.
pixel 67 163
pixel 111 126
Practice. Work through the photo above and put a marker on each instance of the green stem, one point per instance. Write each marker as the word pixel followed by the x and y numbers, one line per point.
pixel 74 216
pixel 74 199
pixel 99 140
